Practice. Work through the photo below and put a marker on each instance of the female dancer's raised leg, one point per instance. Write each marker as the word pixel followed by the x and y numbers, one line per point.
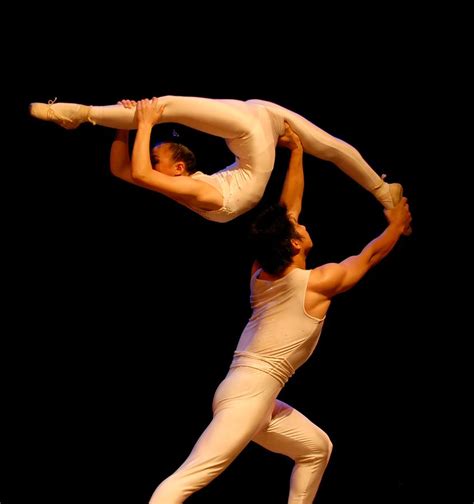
pixel 224 118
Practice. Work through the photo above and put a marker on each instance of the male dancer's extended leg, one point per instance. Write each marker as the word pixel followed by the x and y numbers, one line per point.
pixel 243 405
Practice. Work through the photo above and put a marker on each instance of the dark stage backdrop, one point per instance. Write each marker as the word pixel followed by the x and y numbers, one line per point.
pixel 122 309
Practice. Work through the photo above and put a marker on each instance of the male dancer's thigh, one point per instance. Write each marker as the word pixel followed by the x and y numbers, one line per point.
pixel 243 405
pixel 291 433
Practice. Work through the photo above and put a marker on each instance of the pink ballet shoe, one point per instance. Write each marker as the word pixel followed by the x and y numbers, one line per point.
pixel 67 115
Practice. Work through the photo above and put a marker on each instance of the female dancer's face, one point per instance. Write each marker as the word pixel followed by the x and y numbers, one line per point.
pixel 162 160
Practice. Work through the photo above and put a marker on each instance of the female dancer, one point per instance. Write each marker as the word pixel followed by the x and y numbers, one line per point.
pixel 251 130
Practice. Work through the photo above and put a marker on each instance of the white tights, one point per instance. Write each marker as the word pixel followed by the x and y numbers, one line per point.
pixel 251 130
pixel 246 409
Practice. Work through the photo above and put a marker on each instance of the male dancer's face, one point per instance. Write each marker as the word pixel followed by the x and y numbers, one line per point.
pixel 306 241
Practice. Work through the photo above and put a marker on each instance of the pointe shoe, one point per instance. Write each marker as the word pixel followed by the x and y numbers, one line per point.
pixel 67 115
pixel 396 192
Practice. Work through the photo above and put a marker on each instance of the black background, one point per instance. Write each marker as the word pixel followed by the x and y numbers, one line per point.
pixel 122 309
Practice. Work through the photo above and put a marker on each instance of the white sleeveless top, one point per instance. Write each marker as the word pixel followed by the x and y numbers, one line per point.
pixel 280 335
pixel 241 190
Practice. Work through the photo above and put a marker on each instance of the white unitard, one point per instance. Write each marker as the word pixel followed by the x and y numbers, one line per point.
pixel 251 130
pixel 279 337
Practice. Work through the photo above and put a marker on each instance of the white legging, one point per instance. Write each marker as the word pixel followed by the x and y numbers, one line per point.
pixel 251 130
pixel 246 409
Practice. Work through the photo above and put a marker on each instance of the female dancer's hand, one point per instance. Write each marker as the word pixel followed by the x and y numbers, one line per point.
pixel 127 103
pixel 149 111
